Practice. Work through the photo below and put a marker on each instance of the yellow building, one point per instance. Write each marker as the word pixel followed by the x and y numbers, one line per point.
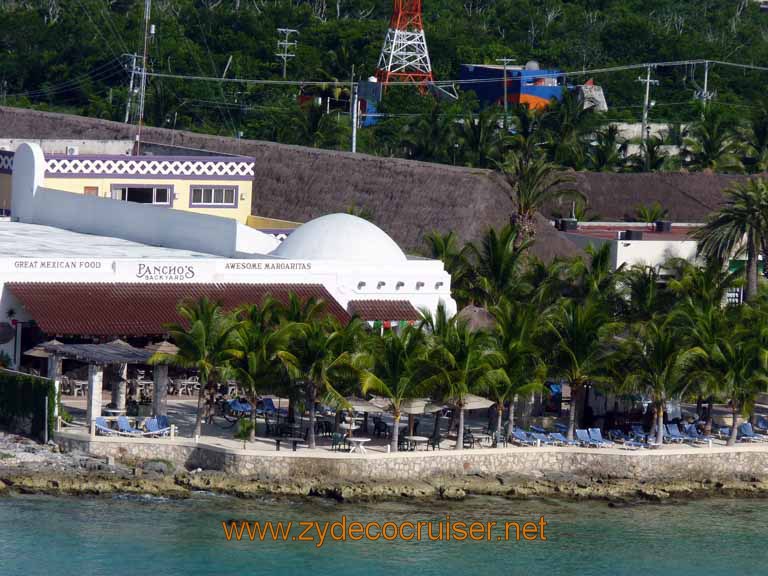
pixel 214 185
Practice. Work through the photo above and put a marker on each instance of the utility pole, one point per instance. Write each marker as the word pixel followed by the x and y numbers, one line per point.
pixel 646 103
pixel 129 100
pixel 706 95
pixel 143 89
pixel 353 105
pixel 284 46
pixel 505 61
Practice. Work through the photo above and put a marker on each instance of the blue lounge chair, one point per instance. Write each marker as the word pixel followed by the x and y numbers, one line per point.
pixel 124 427
pixel 102 427
pixel 746 432
pixel 520 437
pixel 625 440
pixel 761 424
pixel 153 428
pixel 597 436
pixel 639 434
pixel 697 437
pixel 558 438
pixel 672 433
pixel 538 429
pixel 583 437
pixel 562 428
pixel 543 438
pixel 162 422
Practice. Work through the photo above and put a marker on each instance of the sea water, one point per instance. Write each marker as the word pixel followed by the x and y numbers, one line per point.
pixel 116 536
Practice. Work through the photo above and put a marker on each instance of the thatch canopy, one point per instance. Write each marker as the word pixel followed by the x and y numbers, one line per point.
pixel 477 318
pixel 115 352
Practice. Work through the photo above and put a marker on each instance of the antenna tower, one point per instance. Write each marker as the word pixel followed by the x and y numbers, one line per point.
pixel 404 57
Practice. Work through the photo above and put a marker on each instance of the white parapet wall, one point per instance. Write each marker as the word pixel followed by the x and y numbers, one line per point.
pixel 32 203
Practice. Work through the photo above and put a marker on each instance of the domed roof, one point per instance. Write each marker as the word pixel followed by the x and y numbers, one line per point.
pixel 340 237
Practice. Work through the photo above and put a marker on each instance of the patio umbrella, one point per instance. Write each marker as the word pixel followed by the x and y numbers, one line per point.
pixel 163 347
pixel 472 402
pixel 358 404
pixel 39 351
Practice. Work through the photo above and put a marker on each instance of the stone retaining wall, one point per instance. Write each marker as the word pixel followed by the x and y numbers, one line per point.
pixel 669 464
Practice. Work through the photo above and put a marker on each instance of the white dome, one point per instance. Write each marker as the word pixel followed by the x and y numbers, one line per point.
pixel 340 237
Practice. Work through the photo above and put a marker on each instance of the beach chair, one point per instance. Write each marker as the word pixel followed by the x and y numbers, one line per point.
pixel 543 438
pixel 696 437
pixel 124 427
pixel 672 433
pixel 500 439
pixel 639 434
pixel 561 428
pixel 596 435
pixel 339 442
pixel 520 437
pixel 102 427
pixel 153 428
pixel 538 429
pixel 746 431
pixel 561 440
pixel 434 441
pixel 584 440
pixel 761 425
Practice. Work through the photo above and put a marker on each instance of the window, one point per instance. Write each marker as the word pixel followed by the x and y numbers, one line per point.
pixel 143 194
pixel 91 190
pixel 214 196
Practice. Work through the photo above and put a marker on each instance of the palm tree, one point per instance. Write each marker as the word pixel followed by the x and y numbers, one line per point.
pixel 399 371
pixel 566 124
pixel 499 259
pixel 742 219
pixel 643 294
pixel 532 184
pixel 657 365
pixel 481 140
pixel 516 329
pixel 431 136
pixel 580 331
pixel 652 157
pixel 594 276
pixel 712 144
pixel 756 139
pixel 650 213
pixel 608 150
pixel 463 361
pixel 204 342
pixel 445 247
pixel 263 358
pixel 325 353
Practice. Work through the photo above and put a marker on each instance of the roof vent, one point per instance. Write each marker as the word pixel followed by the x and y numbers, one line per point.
pixel 633 235
pixel 566 224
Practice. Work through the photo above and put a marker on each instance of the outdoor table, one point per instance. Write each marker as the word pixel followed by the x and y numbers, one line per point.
pixel 358 444
pixel 348 427
pixel 114 411
pixel 294 442
pixel 416 440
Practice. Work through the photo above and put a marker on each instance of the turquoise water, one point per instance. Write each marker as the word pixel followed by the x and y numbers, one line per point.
pixel 129 536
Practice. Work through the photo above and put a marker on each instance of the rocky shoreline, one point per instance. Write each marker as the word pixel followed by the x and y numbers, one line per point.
pixel 30 468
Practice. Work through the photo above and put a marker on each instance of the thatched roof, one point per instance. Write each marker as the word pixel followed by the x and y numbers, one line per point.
pixel 407 198
pixel 689 197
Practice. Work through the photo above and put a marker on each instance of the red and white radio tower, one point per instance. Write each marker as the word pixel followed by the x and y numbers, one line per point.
pixel 404 56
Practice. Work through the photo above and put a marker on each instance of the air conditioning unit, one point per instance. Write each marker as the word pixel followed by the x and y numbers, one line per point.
pixel 633 235
pixel 663 226
pixel 73 150
pixel 566 224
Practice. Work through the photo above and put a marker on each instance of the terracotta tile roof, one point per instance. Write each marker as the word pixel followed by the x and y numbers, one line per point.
pixel 130 309
pixel 383 310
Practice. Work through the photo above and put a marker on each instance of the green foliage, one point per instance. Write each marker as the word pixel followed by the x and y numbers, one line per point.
pixel 24 396
pixel 65 56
